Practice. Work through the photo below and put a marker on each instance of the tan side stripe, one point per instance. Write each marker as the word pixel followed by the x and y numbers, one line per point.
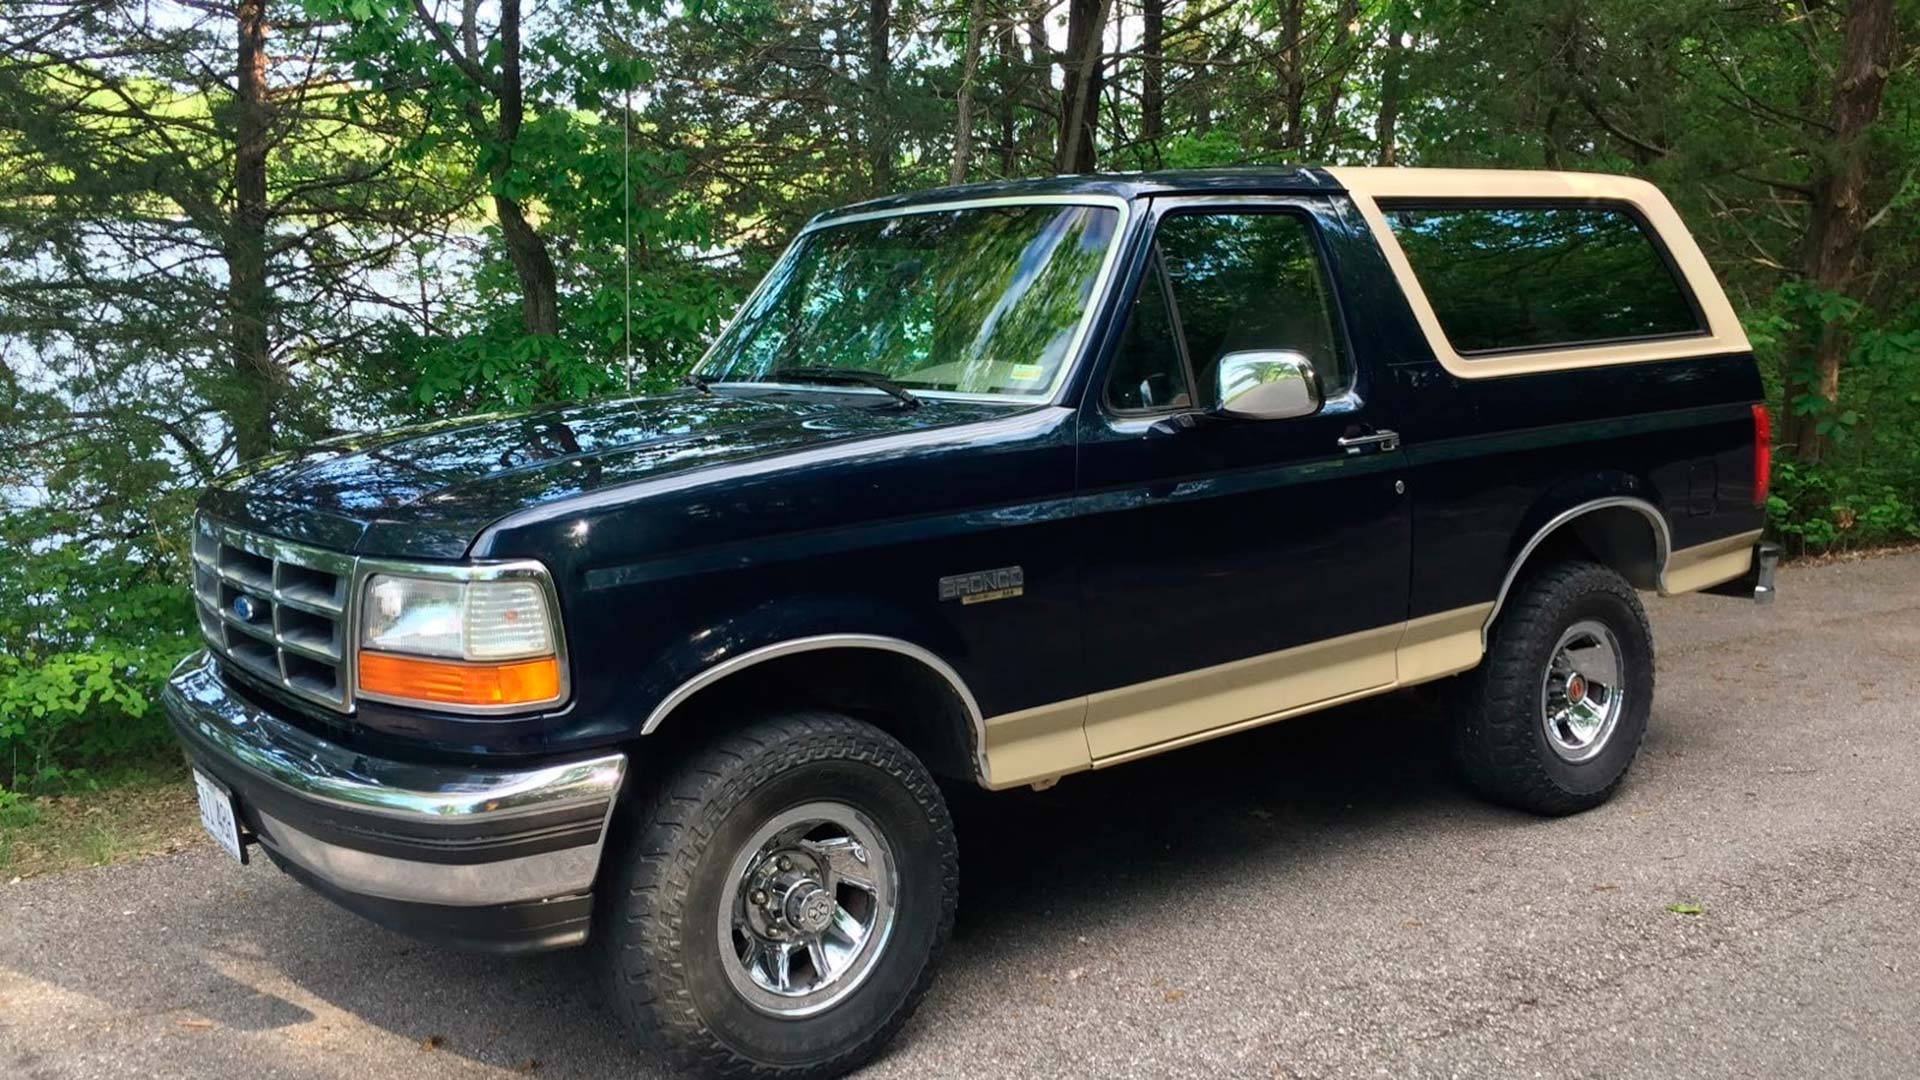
pixel 1123 720
pixel 1036 744
pixel 1697 567
pixel 1446 643
pixel 1131 722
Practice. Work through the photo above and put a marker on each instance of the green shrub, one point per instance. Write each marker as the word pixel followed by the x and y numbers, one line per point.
pixel 1866 490
pixel 87 634
pixel 63 713
pixel 1814 510
pixel 14 811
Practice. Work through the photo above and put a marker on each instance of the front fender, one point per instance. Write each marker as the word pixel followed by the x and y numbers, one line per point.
pixel 818 619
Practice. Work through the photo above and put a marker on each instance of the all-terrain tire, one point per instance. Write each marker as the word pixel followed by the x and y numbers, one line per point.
pixel 668 868
pixel 1499 735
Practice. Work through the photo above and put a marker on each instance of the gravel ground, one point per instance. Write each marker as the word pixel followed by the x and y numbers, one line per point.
pixel 1315 899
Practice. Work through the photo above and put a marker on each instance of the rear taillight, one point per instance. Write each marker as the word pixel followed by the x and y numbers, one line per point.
pixel 1762 454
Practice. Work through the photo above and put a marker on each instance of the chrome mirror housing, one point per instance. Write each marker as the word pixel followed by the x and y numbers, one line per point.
pixel 1267 384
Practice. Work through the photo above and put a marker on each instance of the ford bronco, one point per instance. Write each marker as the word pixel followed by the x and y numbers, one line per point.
pixel 994 484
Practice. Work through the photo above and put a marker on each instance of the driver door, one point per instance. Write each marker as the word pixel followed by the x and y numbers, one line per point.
pixel 1235 569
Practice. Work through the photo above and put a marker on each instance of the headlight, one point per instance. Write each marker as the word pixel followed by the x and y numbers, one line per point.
pixel 486 645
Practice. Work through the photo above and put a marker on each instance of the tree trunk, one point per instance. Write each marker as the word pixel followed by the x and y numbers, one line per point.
pixel 1838 221
pixel 1339 62
pixel 258 383
pixel 1153 79
pixel 532 266
pixel 1293 81
pixel 880 145
pixel 1005 108
pixel 526 249
pixel 1080 98
pixel 1117 132
pixel 1200 92
pixel 1037 37
pixel 963 109
pixel 1040 78
pixel 1392 75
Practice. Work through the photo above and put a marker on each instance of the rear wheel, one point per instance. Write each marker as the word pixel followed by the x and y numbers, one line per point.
pixel 776 908
pixel 1555 714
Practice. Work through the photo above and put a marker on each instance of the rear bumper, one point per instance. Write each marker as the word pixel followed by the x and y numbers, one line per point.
pixel 1757 582
pixel 477 857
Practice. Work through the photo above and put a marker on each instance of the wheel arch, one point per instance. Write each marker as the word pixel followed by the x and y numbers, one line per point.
pixel 903 688
pixel 1626 533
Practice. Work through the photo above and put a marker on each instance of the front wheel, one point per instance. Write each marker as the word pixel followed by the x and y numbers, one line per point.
pixel 1555 714
pixel 775 909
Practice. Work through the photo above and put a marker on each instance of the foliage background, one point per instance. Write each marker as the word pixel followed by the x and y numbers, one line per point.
pixel 229 226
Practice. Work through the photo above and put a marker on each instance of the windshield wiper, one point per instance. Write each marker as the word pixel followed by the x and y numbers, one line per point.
pixel 852 376
pixel 697 381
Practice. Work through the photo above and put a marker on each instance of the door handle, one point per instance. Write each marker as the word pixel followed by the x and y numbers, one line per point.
pixel 1379 440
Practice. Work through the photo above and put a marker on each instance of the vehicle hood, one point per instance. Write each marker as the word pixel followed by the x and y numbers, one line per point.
pixel 428 491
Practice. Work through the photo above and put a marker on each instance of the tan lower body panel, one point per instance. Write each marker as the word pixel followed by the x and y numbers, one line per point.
pixel 1036 744
pixel 1130 722
pixel 1708 564
pixel 1442 644
pixel 1131 717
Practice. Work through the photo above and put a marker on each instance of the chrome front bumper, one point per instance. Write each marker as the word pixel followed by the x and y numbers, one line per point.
pixel 427 848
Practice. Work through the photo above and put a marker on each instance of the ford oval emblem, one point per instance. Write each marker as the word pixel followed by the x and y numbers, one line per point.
pixel 246 607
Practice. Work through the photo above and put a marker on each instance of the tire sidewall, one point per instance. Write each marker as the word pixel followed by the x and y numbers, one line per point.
pixel 1605 769
pixel 868 1011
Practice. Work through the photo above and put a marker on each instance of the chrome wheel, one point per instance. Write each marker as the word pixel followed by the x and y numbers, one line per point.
pixel 1582 695
pixel 812 903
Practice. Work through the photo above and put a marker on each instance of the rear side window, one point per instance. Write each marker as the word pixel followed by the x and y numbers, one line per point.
pixel 1507 278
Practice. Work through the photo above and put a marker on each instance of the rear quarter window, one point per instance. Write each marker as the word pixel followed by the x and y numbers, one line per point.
pixel 1504 278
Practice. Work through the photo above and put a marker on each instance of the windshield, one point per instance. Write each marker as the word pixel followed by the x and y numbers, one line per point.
pixel 977 300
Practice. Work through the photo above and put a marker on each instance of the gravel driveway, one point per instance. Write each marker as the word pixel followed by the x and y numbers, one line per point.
pixel 1312 899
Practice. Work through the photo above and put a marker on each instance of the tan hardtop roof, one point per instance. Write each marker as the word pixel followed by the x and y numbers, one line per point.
pixel 1722 333
pixel 1398 183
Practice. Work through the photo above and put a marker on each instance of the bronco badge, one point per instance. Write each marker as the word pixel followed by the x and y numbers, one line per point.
pixel 983 585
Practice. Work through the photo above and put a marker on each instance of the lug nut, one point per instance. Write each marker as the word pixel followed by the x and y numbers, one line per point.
pixel 785 863
pixel 759 898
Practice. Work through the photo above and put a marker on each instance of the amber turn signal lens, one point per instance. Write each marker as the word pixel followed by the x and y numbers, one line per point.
pixel 447 682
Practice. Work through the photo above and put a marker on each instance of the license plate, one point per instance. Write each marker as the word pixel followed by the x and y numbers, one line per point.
pixel 217 816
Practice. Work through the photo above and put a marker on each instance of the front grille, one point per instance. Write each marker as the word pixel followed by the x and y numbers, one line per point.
pixel 275 609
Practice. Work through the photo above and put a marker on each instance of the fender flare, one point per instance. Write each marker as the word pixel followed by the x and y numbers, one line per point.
pixel 813 643
pixel 1657 522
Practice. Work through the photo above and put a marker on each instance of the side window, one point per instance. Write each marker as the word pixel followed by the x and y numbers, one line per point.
pixel 1251 280
pixel 1540 277
pixel 1149 373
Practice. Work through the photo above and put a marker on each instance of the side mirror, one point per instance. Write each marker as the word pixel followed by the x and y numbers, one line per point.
pixel 1267 384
